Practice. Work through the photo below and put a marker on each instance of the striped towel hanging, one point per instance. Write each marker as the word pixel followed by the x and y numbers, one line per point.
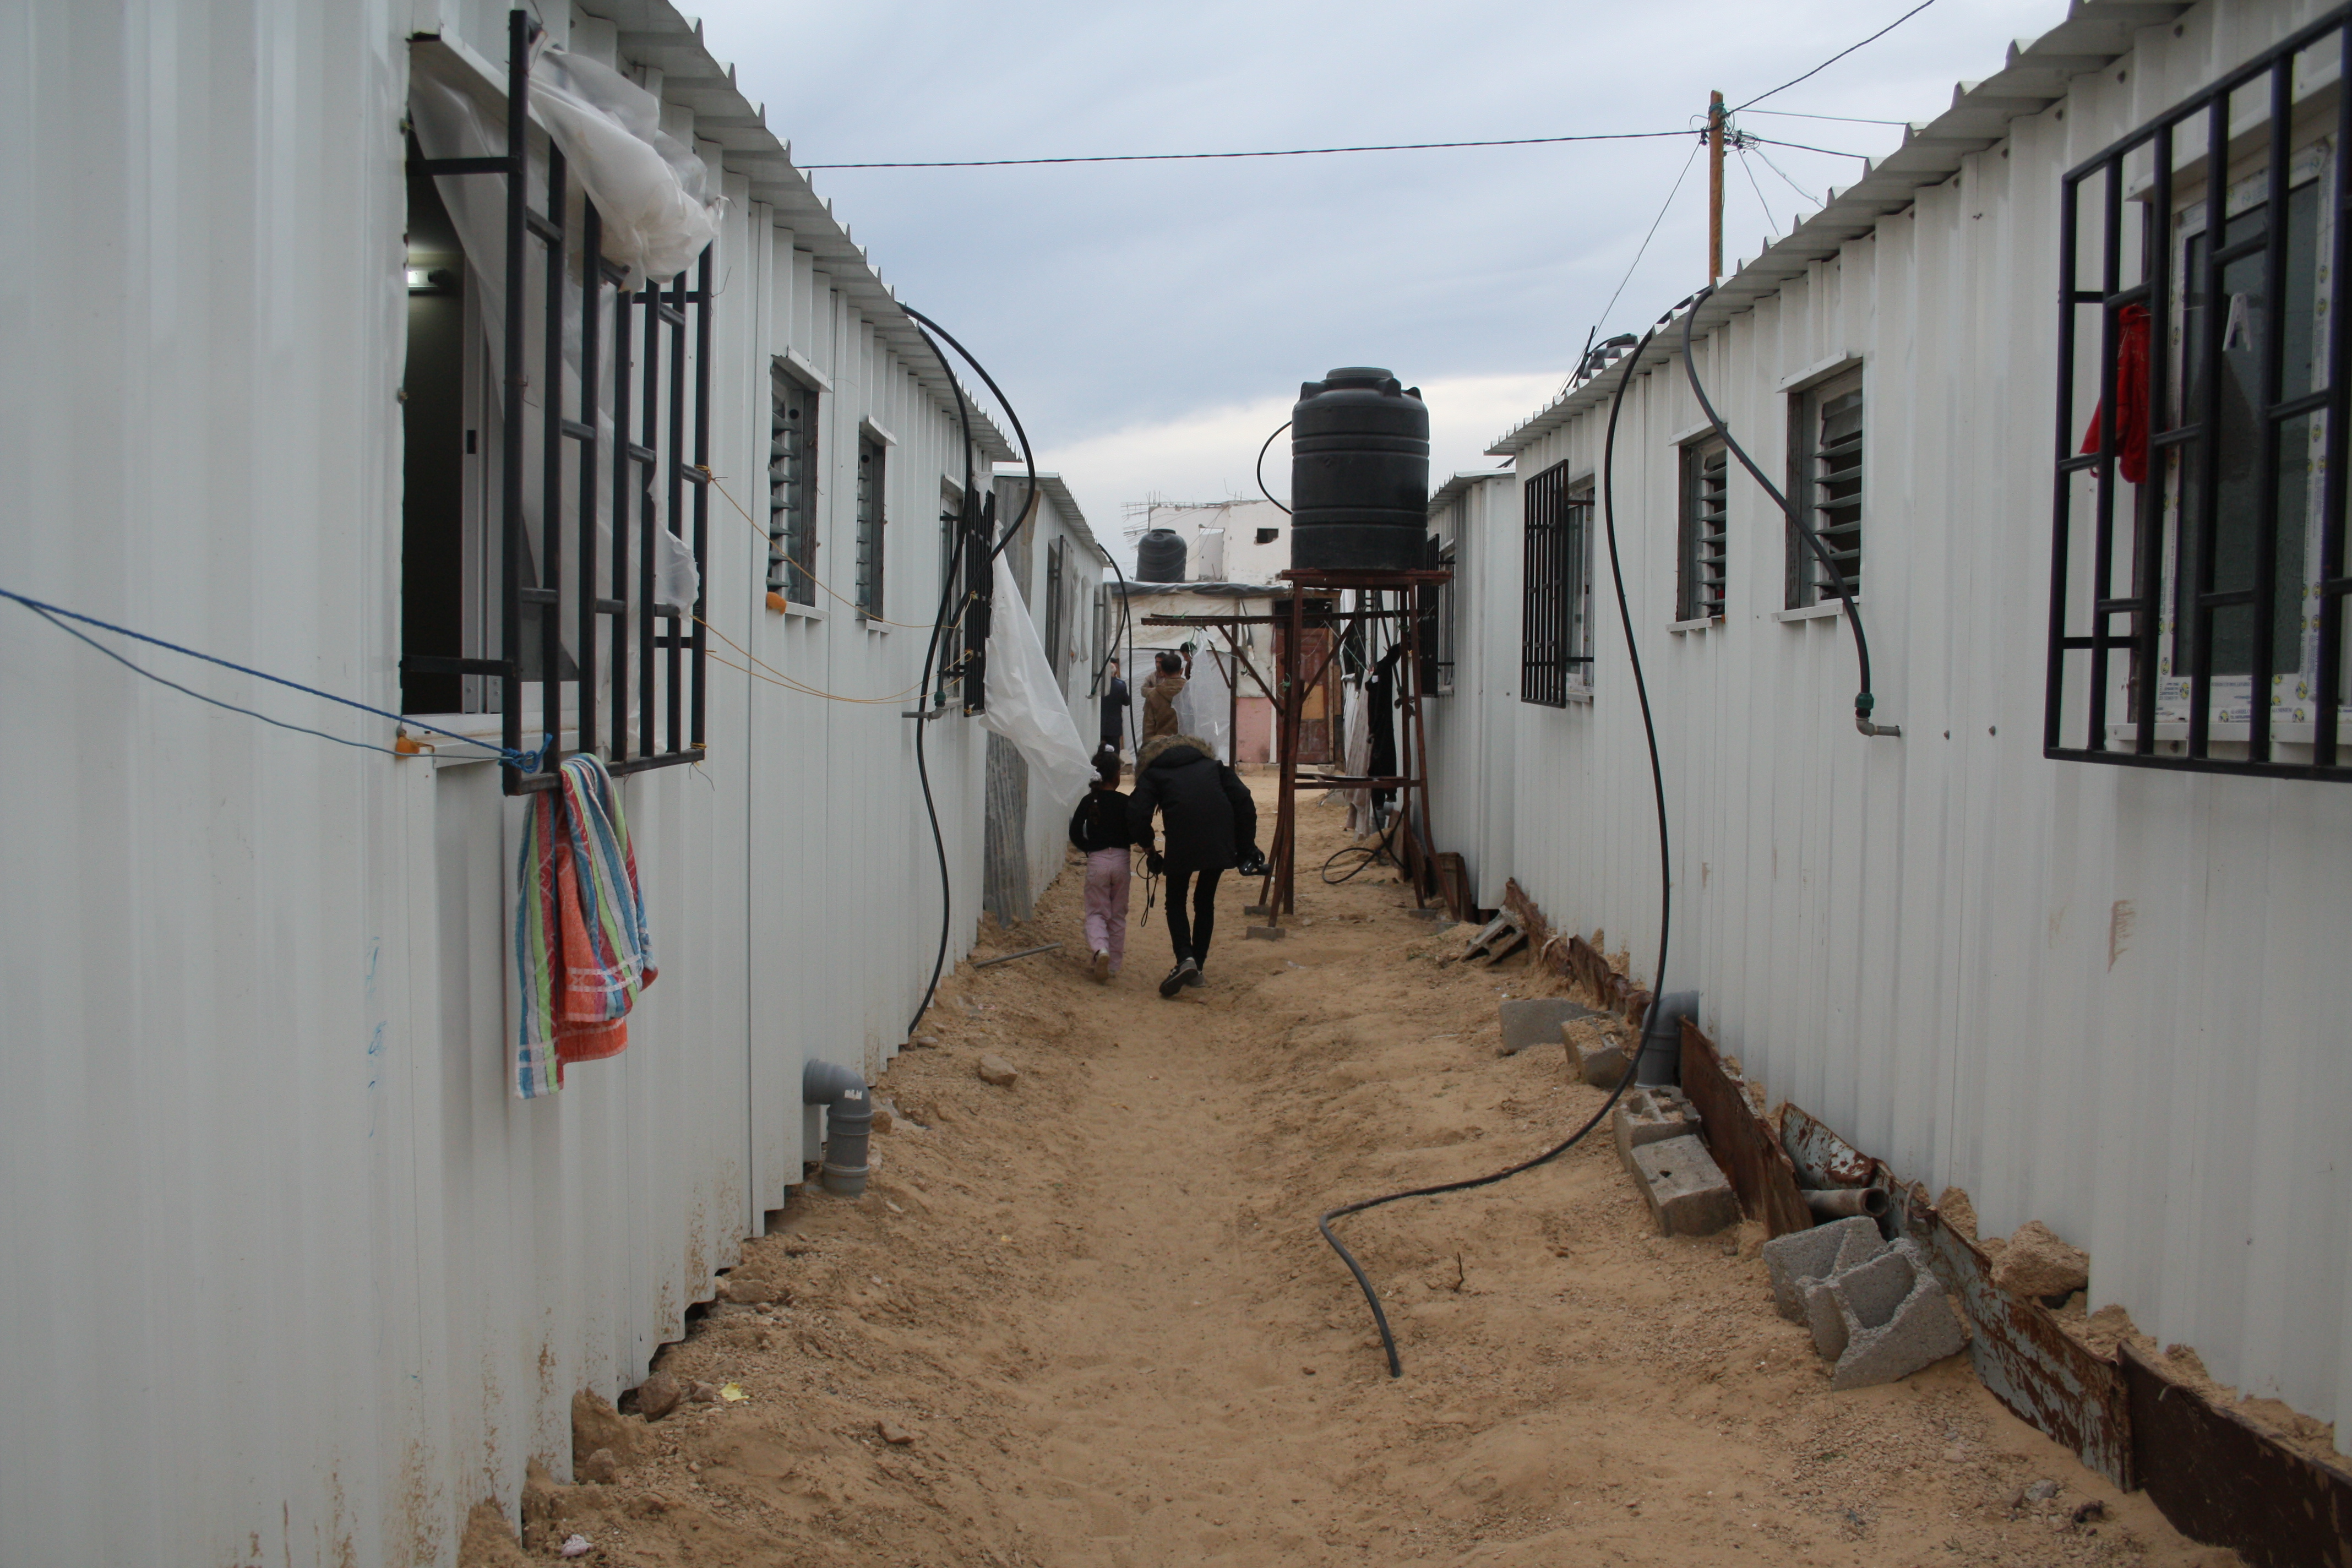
pixel 582 948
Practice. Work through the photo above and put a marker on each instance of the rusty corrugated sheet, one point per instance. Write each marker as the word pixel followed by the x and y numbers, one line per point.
pixel 1573 958
pixel 1741 1141
pixel 2222 1481
pixel 2033 1365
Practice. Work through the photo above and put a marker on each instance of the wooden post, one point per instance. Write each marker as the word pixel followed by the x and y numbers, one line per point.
pixel 1714 188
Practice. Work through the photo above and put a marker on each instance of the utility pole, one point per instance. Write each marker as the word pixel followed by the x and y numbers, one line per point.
pixel 1714 188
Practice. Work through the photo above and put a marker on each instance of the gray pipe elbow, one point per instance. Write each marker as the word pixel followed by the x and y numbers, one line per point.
pixel 848 1123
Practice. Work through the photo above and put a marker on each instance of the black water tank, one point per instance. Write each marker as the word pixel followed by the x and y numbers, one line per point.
pixel 1359 473
pixel 1160 558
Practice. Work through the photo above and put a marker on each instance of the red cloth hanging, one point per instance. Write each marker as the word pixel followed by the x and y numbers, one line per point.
pixel 2131 396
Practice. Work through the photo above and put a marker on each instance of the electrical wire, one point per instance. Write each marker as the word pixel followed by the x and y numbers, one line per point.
pixel 1807 147
pixel 1665 900
pixel 57 614
pixel 1802 194
pixel 1672 192
pixel 1837 57
pixel 1261 468
pixel 1841 118
pixel 1864 702
pixel 1273 152
pixel 775 676
pixel 1770 228
pixel 770 541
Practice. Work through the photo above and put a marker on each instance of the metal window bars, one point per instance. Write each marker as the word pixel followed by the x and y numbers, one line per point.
pixel 870 481
pixel 792 470
pixel 1705 532
pixel 1555 627
pixel 2177 514
pixel 1826 478
pixel 669 714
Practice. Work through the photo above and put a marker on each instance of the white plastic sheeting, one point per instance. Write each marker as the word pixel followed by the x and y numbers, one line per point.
pixel 651 190
pixel 1025 704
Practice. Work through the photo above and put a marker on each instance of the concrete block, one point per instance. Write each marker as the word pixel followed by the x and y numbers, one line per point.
pixel 1651 1115
pixel 1598 1057
pixel 1266 933
pixel 1535 1020
pixel 1893 1318
pixel 1804 1256
pixel 1685 1189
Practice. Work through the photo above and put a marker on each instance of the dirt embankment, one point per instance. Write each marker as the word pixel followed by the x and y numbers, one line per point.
pixel 1087 1320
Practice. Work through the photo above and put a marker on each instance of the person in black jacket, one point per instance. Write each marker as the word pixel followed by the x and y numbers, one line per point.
pixel 1099 829
pixel 1211 827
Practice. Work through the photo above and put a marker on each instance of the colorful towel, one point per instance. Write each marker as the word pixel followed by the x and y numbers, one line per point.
pixel 582 948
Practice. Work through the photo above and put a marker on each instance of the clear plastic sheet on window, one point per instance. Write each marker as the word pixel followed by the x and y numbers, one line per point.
pixel 1025 704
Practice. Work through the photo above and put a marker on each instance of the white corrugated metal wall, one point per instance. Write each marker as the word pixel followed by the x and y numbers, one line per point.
pixel 292 1277
pixel 2100 997
pixel 1047 837
pixel 1473 727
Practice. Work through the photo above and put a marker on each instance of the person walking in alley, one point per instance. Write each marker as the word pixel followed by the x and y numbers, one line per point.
pixel 1099 828
pixel 1115 704
pixel 1210 824
pixel 1160 690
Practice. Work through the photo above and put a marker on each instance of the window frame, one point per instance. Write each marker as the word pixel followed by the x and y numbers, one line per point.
pixel 1056 553
pixel 1692 602
pixel 1556 603
pixel 1818 482
pixel 873 519
pixel 2115 645
pixel 793 547
pixel 670 400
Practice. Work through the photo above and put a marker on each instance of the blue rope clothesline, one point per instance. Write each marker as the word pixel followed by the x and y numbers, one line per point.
pixel 526 762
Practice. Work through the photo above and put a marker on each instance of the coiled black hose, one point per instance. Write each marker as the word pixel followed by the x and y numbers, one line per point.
pixel 1666 901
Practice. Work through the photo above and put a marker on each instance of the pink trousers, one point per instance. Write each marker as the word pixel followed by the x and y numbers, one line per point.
pixel 1107 880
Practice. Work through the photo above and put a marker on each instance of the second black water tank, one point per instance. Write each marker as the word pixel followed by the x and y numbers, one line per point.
pixel 1359 473
pixel 1160 556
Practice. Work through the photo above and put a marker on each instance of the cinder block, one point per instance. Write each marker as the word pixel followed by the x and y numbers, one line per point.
pixel 1800 1257
pixel 1651 1115
pixel 1687 1191
pixel 1535 1020
pixel 1599 1060
pixel 1887 1318
pixel 1266 933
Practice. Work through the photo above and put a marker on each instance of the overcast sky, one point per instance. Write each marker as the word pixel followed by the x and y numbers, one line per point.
pixel 1152 321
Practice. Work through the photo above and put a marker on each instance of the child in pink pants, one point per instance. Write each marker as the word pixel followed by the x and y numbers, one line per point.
pixel 1099 828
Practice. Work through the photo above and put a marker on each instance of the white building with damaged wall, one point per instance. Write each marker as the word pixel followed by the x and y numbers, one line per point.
pixel 2103 991
pixel 293 1276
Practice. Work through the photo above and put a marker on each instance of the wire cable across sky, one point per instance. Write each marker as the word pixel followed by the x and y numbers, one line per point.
pixel 1272 153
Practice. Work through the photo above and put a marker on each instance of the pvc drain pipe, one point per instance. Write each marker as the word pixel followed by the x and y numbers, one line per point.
pixel 1840 1203
pixel 848 1123
pixel 1660 1057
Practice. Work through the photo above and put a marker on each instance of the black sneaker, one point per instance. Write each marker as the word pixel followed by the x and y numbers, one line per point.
pixel 1192 977
pixel 1186 973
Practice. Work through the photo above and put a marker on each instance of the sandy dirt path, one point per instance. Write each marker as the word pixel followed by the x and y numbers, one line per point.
pixel 1086 1319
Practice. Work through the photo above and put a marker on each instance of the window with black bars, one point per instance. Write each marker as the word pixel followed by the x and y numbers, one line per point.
pixel 871 457
pixel 1556 618
pixel 792 487
pixel 625 679
pixel 1435 606
pixel 1056 554
pixel 1825 482
pixel 2198 573
pixel 1706 487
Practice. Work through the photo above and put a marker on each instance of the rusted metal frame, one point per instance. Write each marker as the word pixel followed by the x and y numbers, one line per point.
pixel 2030 1363
pixel 1739 1138
pixel 2339 433
pixel 1233 694
pixel 1417 834
pixel 1280 895
pixel 2222 1481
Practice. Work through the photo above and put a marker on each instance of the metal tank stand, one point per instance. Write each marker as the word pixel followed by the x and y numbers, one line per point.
pixel 1379 595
